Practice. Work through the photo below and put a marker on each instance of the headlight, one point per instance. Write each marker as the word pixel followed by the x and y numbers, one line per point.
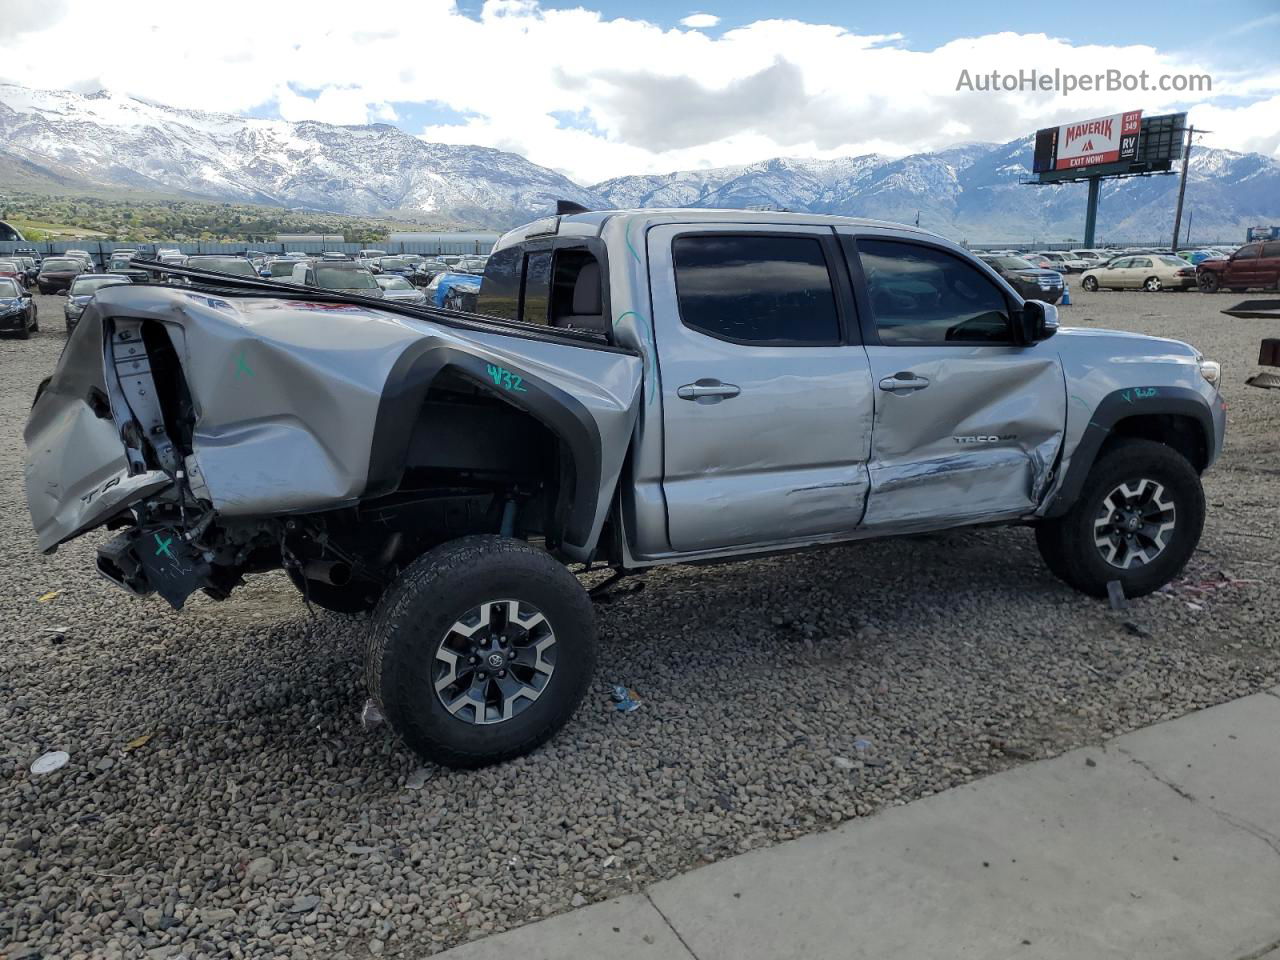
pixel 74 309
pixel 1211 370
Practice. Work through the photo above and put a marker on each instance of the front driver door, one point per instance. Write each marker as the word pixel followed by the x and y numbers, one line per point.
pixel 967 424
pixel 766 391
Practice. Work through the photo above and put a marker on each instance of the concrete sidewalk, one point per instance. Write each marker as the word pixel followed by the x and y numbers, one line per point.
pixel 1164 843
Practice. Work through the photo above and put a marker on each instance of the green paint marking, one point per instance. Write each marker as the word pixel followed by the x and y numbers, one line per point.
pixel 163 547
pixel 1145 393
pixel 504 378
pixel 1127 398
pixel 242 368
pixel 627 235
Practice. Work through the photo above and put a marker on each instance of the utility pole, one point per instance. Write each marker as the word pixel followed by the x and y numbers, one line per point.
pixel 1182 187
pixel 1190 216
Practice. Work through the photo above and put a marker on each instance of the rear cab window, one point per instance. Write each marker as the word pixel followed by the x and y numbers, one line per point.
pixel 558 284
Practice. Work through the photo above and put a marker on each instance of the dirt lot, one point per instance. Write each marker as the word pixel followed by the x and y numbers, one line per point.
pixel 222 797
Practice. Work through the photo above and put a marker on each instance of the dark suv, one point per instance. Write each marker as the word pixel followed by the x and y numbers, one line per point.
pixel 1031 282
pixel 56 273
pixel 1253 265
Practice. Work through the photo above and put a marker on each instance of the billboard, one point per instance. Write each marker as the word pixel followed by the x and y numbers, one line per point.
pixel 1076 146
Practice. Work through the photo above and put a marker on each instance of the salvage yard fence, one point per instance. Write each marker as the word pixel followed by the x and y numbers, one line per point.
pixel 101 250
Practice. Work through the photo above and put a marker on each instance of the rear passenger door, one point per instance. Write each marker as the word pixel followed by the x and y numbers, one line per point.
pixel 1140 268
pixel 967 424
pixel 1269 266
pixel 765 389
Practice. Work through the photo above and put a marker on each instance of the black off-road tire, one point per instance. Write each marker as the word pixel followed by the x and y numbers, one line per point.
pixel 418 613
pixel 1068 545
pixel 359 596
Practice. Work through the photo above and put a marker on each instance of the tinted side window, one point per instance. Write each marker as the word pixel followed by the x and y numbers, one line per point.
pixel 1271 249
pixel 920 295
pixel 756 289
pixel 1245 253
pixel 500 291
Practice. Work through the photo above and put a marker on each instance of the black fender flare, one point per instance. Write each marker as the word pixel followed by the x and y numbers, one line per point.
pixel 1122 405
pixel 405 391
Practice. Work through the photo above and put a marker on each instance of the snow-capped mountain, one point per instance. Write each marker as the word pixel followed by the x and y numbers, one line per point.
pixel 978 192
pixel 110 140
pixel 974 191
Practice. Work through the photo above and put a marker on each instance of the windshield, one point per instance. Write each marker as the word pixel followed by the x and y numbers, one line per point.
pixel 281 268
pixel 122 264
pixel 8 288
pixel 395 283
pixel 1011 263
pixel 393 263
pixel 336 278
pixel 10 265
pixel 60 264
pixel 235 266
pixel 87 285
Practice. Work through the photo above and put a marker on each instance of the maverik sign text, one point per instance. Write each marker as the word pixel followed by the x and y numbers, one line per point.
pixel 1089 143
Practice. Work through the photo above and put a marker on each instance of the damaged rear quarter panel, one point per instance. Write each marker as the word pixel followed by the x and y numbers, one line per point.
pixel 286 396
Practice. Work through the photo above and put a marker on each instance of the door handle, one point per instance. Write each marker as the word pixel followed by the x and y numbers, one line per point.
pixel 903 383
pixel 708 391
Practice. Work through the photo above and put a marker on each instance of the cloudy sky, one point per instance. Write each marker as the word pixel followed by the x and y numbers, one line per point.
pixel 618 86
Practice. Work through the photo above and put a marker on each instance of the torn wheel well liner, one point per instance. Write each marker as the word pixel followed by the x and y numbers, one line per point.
pixel 407 388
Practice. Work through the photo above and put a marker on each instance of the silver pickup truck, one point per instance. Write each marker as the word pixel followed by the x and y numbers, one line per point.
pixel 634 388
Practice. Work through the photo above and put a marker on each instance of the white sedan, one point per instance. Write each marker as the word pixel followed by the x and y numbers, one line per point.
pixel 1151 272
pixel 398 288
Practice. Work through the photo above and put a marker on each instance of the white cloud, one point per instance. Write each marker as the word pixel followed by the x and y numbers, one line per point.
pixel 642 98
pixel 700 21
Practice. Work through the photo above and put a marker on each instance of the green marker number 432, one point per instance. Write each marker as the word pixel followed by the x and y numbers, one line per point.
pixel 504 378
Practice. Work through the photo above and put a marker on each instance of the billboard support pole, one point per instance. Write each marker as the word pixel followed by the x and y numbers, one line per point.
pixel 1182 187
pixel 1091 211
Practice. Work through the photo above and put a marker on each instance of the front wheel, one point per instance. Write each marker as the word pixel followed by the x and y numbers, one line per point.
pixel 1208 281
pixel 481 650
pixel 1152 285
pixel 1137 520
pixel 1090 284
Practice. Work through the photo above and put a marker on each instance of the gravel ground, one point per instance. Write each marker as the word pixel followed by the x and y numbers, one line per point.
pixel 260 818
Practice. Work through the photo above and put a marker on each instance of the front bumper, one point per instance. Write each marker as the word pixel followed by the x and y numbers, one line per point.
pixel 13 321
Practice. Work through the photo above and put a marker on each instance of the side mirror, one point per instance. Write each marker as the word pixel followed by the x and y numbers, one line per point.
pixel 1035 322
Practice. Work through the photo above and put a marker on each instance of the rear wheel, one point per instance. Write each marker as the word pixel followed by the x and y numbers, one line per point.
pixel 481 650
pixel 1152 285
pixel 1137 520
pixel 1090 284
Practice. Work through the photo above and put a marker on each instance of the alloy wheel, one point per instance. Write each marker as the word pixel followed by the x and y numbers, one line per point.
pixel 1153 284
pixel 494 662
pixel 1134 524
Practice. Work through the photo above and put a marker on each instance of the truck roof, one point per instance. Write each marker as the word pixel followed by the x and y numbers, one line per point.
pixel 592 222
